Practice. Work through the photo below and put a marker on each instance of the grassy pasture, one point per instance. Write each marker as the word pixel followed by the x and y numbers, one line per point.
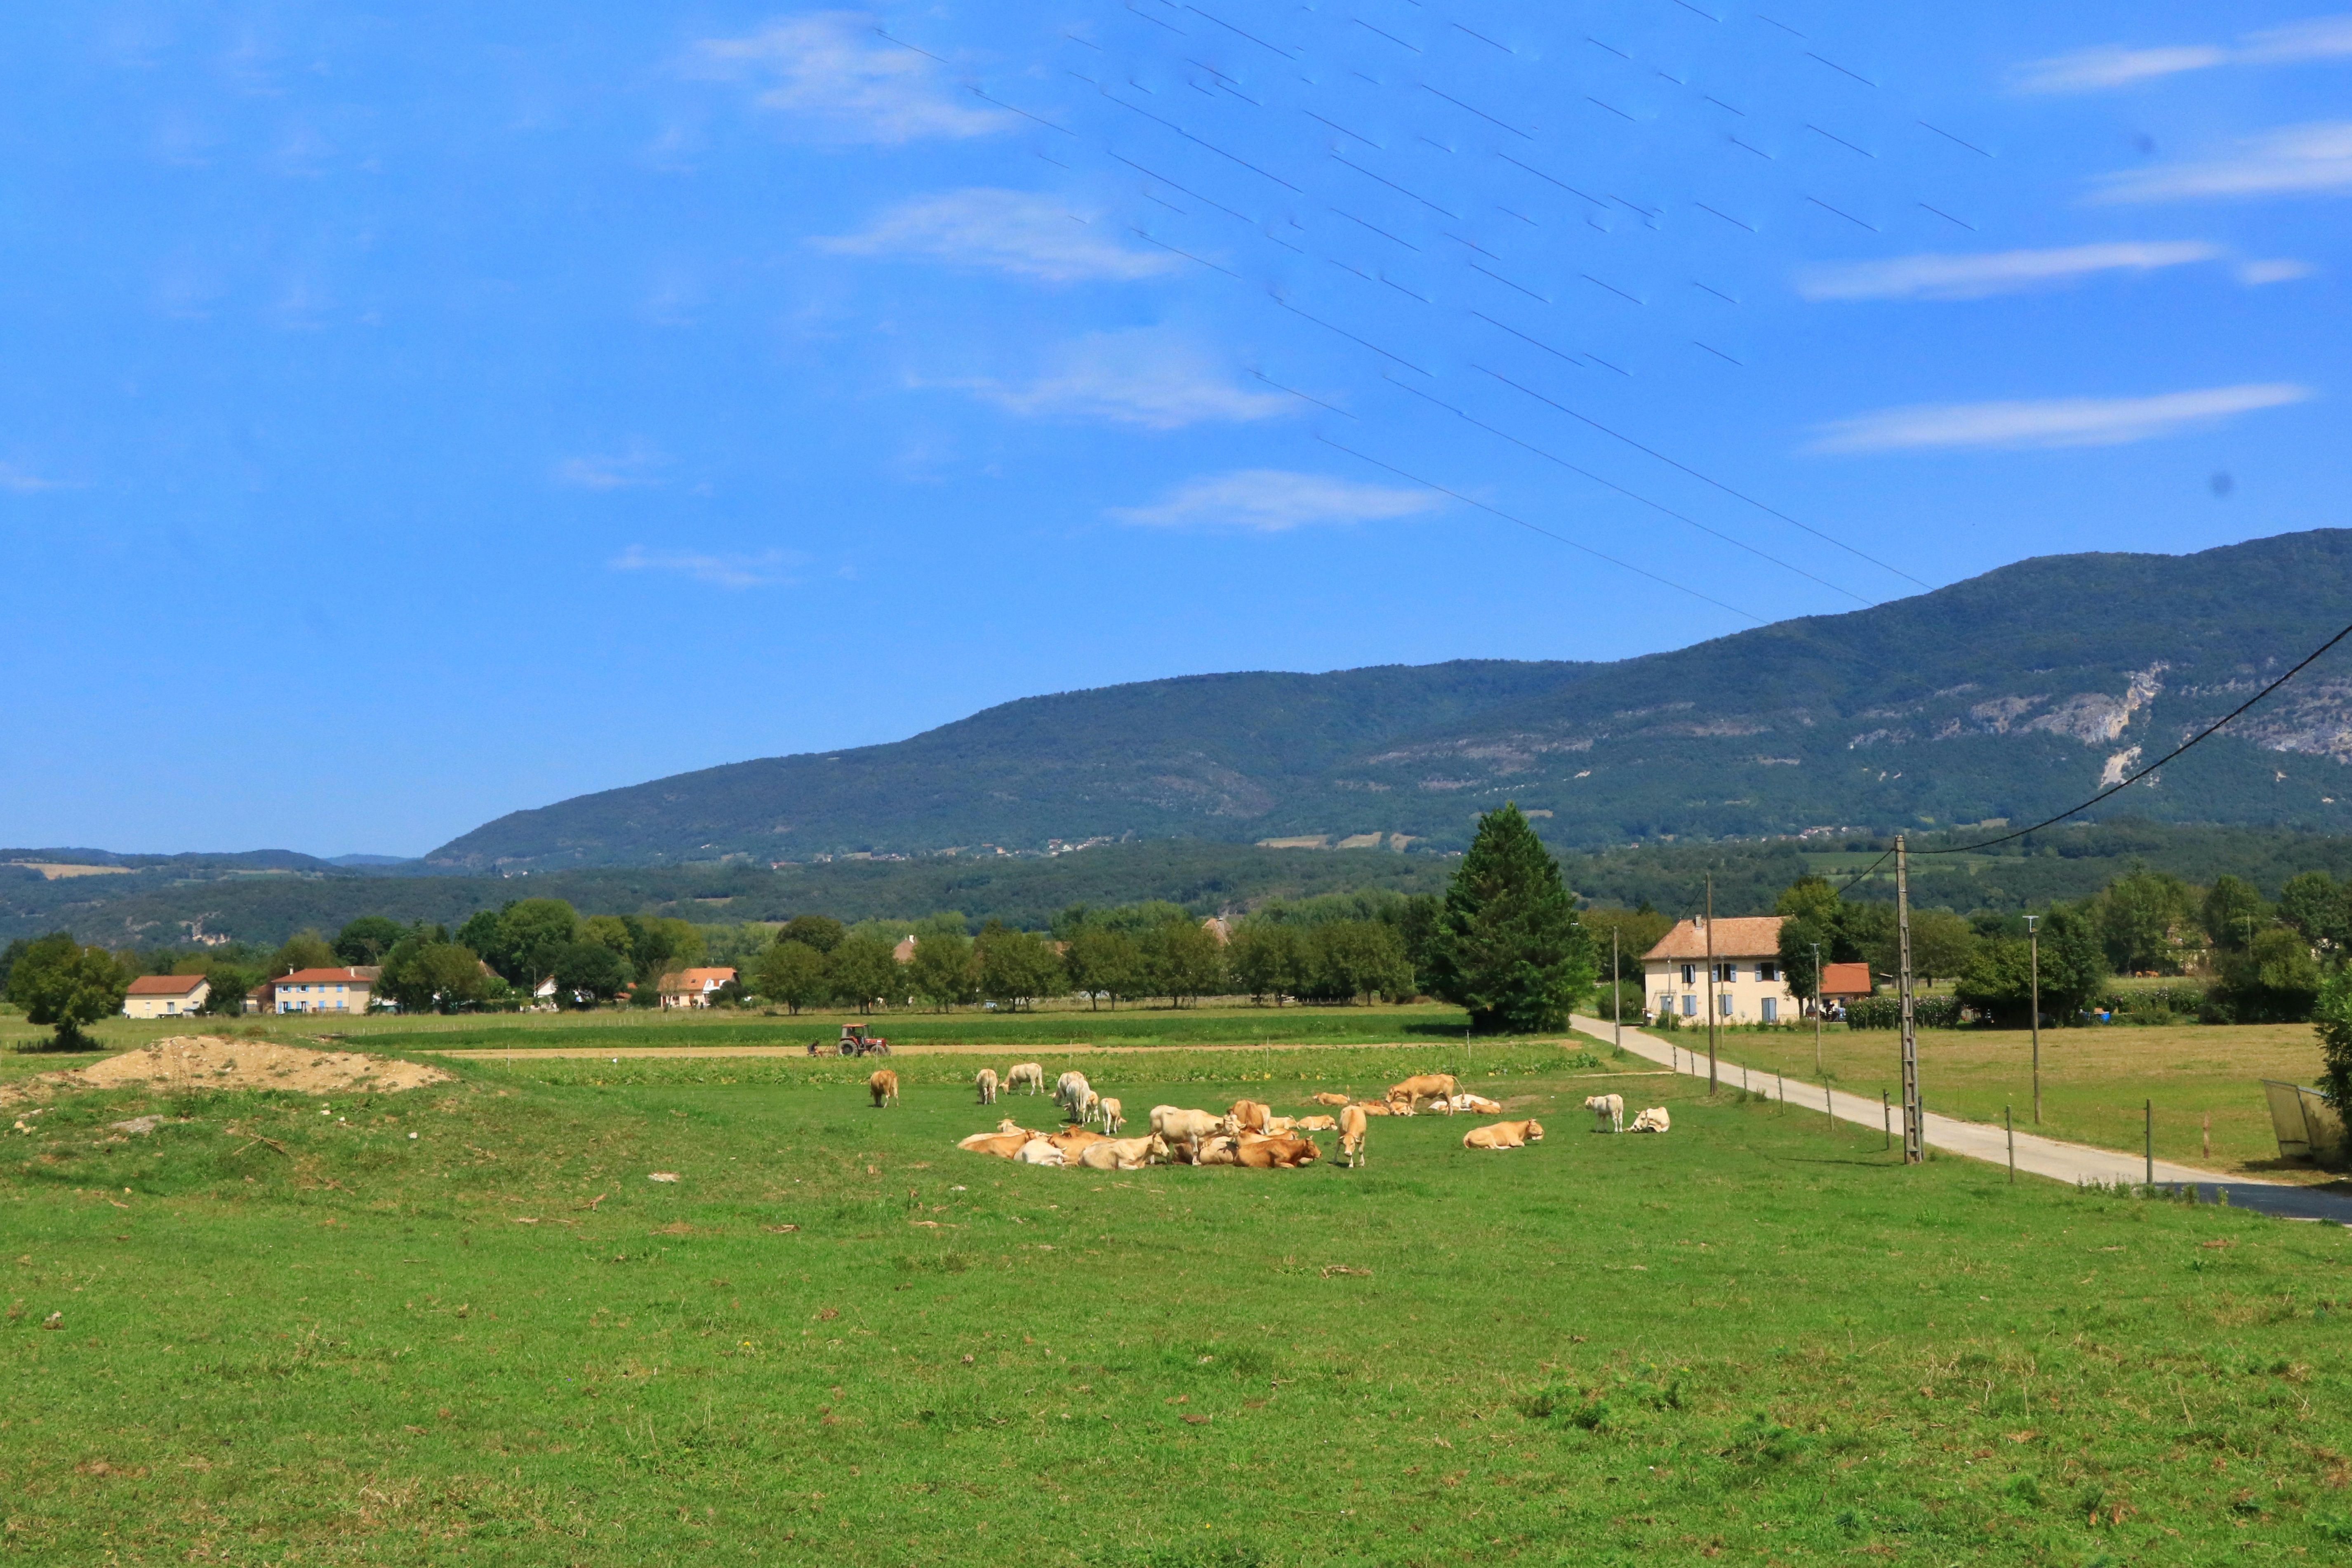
pixel 310 1338
pixel 2094 1082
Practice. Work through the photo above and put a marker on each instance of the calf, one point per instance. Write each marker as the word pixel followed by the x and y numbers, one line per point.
pixel 1188 1128
pixel 1277 1153
pixel 1123 1154
pixel 1071 1091
pixel 1503 1135
pixel 1328 1097
pixel 1608 1113
pixel 1654 1119
pixel 1040 1152
pixel 1026 1075
pixel 1378 1108
pixel 986 1084
pixel 883 1086
pixel 1424 1086
pixel 1281 1126
pixel 1352 1134
pixel 1250 1115
pixel 1317 1124
pixel 1114 1115
pixel 1009 1125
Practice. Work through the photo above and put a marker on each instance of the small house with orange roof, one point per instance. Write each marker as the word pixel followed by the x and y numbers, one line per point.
pixel 693 987
pixel 166 997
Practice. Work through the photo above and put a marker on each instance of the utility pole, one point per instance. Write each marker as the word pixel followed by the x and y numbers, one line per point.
pixel 1817 1012
pixel 1617 990
pixel 1710 985
pixel 2033 945
pixel 1914 1133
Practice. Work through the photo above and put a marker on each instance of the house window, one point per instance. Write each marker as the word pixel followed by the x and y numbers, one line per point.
pixel 1725 973
pixel 1771 1009
pixel 1690 1007
pixel 1768 971
pixel 1723 1005
pixel 1690 973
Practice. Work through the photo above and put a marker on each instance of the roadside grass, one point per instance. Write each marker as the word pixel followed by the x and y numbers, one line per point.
pixel 303 1335
pixel 2094 1082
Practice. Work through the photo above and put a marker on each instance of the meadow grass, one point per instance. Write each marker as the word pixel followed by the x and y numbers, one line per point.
pixel 291 1333
pixel 2096 1082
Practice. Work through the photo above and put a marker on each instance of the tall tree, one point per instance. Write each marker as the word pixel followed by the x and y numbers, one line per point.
pixel 423 973
pixel 59 982
pixel 2271 979
pixel 1017 967
pixel 863 973
pixel 367 939
pixel 792 973
pixel 1184 962
pixel 2232 912
pixel 2334 1016
pixel 944 971
pixel 2138 916
pixel 587 973
pixel 1105 962
pixel 304 950
pixel 822 932
pixel 1342 960
pixel 1263 959
pixel 2319 907
pixel 1510 947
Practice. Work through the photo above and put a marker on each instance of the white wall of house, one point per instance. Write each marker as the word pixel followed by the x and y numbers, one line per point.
pixel 1748 990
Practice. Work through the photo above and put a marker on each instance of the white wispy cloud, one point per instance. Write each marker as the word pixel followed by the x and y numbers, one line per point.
pixel 1271 501
pixel 2115 65
pixel 1020 232
pixel 19 483
pixel 840 81
pixel 2254 274
pixel 611 472
pixel 2050 422
pixel 1150 376
pixel 766 569
pixel 1939 276
pixel 2298 161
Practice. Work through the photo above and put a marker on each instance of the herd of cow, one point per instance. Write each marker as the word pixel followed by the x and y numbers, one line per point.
pixel 1248 1134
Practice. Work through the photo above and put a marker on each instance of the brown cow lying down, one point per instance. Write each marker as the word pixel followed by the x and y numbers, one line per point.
pixel 1503 1135
pixel 1379 1108
pixel 1317 1124
pixel 1217 1151
pixel 1654 1119
pixel 1004 1145
pixel 1070 1140
pixel 1277 1153
pixel 1328 1097
pixel 1123 1154
pixel 1455 1102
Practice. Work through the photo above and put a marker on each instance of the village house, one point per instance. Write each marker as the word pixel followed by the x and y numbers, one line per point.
pixel 1749 986
pixel 166 997
pixel 693 987
pixel 1844 982
pixel 321 991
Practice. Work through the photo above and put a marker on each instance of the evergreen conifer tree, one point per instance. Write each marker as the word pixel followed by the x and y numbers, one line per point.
pixel 1508 944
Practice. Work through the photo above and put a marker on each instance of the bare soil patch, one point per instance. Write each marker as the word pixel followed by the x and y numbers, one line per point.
pixel 215 1061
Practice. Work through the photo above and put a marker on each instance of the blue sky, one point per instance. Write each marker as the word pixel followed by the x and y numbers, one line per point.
pixel 411 415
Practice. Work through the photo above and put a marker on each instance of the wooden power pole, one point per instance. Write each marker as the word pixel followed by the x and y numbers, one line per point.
pixel 1617 991
pixel 1914 1152
pixel 1710 985
pixel 2034 944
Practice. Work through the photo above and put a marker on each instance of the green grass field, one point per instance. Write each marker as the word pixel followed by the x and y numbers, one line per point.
pixel 290 1332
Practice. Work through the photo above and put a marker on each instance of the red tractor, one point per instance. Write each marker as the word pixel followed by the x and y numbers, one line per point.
pixel 854 1042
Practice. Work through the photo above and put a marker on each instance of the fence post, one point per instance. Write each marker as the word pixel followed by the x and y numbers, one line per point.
pixel 1784 1080
pixel 1829 1106
pixel 1886 1118
pixel 2008 1125
pixel 2149 1133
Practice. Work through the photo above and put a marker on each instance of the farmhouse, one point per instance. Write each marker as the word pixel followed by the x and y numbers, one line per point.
pixel 693 987
pixel 166 997
pixel 1749 986
pixel 321 991
pixel 1843 983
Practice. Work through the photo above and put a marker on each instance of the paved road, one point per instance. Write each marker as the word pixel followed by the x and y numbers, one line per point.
pixel 2036 1155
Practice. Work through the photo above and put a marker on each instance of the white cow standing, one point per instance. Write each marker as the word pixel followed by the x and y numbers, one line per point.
pixel 1608 1113
pixel 1024 1075
pixel 986 1086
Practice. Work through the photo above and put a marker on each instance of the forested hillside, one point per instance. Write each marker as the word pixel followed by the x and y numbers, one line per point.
pixel 2006 697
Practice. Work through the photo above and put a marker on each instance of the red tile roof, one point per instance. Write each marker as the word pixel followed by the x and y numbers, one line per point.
pixel 1845 980
pixel 165 984
pixel 1746 936
pixel 321 977
pixel 696 979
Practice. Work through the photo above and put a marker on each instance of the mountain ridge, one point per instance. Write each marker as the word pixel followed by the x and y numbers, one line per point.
pixel 2008 695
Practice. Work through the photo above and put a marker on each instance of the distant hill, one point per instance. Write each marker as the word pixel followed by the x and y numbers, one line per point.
pixel 2005 696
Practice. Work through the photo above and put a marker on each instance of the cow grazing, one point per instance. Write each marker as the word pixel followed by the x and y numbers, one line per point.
pixel 1317 1124
pixel 1249 1115
pixel 1503 1135
pixel 1654 1119
pixel 883 1086
pixel 1608 1113
pixel 1328 1097
pixel 1352 1134
pixel 1123 1154
pixel 1188 1128
pixel 1024 1075
pixel 986 1085
pixel 1040 1152
pixel 1114 1115
pixel 1275 1154
pixel 1423 1086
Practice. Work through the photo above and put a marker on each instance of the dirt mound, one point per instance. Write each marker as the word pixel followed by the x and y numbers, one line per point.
pixel 214 1061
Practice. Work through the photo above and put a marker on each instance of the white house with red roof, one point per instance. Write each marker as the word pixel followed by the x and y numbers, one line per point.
pixel 166 997
pixel 1749 986
pixel 693 987
pixel 323 990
